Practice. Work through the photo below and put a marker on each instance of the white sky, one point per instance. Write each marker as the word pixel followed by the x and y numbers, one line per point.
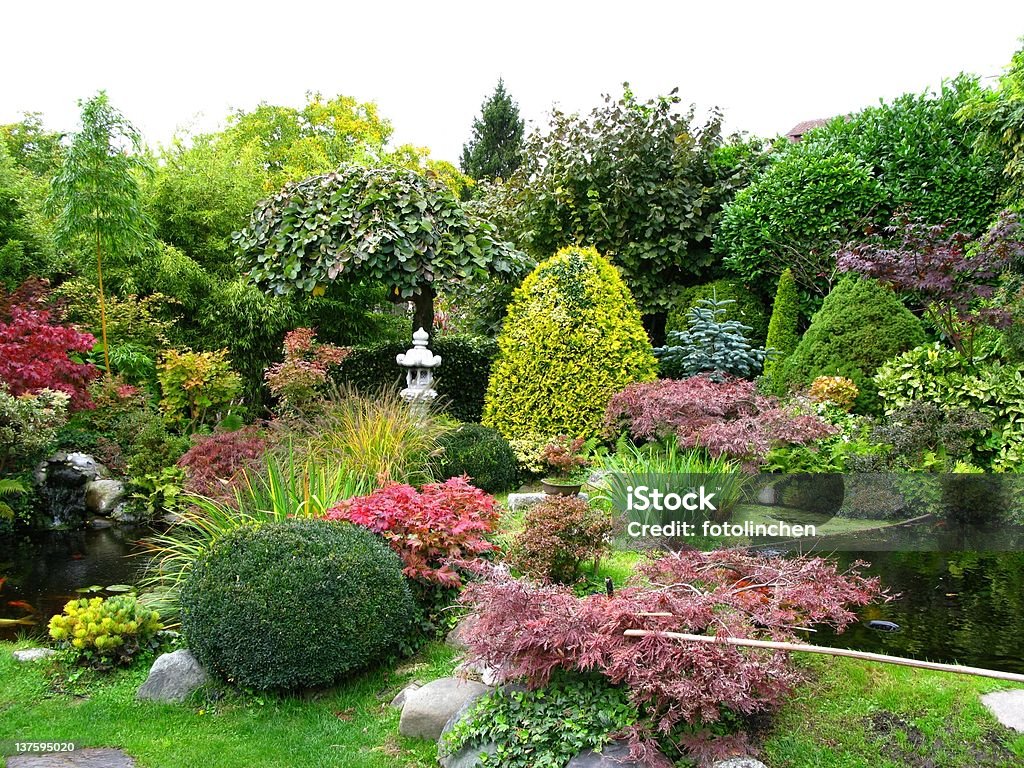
pixel 429 65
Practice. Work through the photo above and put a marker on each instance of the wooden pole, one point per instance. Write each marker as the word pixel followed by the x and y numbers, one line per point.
pixel 802 648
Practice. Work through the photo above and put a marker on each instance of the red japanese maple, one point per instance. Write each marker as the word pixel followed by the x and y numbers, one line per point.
pixel 36 353
pixel 430 529
pixel 215 461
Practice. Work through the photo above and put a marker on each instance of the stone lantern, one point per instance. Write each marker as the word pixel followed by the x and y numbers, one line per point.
pixel 419 389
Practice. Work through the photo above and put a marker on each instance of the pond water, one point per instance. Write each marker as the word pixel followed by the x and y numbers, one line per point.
pixel 41 571
pixel 955 607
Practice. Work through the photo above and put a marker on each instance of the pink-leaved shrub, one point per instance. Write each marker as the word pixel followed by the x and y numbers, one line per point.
pixel 528 631
pixel 431 529
pixel 214 462
pixel 726 418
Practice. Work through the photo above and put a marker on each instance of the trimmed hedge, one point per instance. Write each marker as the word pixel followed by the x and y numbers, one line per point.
pixel 748 308
pixel 572 339
pixel 295 604
pixel 859 327
pixel 461 379
pixel 480 452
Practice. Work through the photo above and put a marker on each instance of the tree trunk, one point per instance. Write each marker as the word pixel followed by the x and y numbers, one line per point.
pixel 423 309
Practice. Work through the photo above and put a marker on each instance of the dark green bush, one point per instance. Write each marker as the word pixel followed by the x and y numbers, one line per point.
pixel 782 328
pixel 295 604
pixel 483 454
pixel 461 379
pixel 748 308
pixel 859 327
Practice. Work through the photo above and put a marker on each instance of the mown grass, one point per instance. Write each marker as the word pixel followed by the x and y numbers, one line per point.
pixel 349 726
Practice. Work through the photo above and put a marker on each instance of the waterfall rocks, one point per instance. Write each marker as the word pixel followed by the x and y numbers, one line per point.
pixel 74 487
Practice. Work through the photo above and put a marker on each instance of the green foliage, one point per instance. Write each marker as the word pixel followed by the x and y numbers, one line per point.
pixel 935 374
pixel 547 726
pixel 95 197
pixel 782 328
pixel 859 327
pixel 711 344
pixel 853 172
pixel 572 339
pixel 480 452
pixel 837 390
pixel 28 426
pixel 747 307
pixel 26 246
pixel 461 381
pixel 496 147
pixel 808 203
pixel 105 631
pixel 31 146
pixel 1000 115
pixel 636 181
pixel 158 494
pixel 371 224
pixel 294 604
pixel 9 488
pixel 196 387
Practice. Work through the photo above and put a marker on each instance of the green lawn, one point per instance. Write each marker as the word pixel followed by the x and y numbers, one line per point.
pixel 351 726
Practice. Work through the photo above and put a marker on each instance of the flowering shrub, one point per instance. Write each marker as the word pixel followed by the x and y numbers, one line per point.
pixel 727 418
pixel 36 353
pixel 107 631
pixel 560 533
pixel 443 522
pixel 529 631
pixel 838 390
pixel 215 460
pixel 297 380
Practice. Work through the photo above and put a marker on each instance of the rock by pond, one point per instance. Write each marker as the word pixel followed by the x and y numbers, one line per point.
pixel 428 709
pixel 173 677
pixel 63 481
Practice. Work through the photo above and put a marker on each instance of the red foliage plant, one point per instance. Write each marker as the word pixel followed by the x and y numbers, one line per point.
pixel 559 533
pixel 727 418
pixel 36 353
pixel 305 367
pixel 215 461
pixel 430 529
pixel 528 631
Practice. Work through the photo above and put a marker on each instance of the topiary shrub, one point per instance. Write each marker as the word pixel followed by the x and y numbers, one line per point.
pixel 461 379
pixel 859 327
pixel 782 328
pixel 747 307
pixel 572 339
pixel 480 452
pixel 294 604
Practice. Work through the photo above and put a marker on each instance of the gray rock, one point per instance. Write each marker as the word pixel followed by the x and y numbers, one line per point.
pixel 474 670
pixel 456 638
pixel 1008 707
pixel 399 701
pixel 739 762
pixel 33 654
pixel 518 501
pixel 468 757
pixel 102 496
pixel 427 710
pixel 173 677
pixel 86 465
pixel 768 496
pixel 100 523
pixel 612 755
pixel 122 515
pixel 80 758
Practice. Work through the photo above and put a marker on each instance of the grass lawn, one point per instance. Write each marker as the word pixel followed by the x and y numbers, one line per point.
pixel 352 725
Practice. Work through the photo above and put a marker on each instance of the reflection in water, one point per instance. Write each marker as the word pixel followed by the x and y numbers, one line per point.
pixel 43 570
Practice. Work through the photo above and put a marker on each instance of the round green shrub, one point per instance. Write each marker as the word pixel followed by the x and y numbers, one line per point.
pixel 571 340
pixel 294 604
pixel 748 308
pixel 480 452
pixel 860 326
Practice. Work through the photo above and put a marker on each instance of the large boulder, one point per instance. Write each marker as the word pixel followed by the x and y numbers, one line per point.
pixel 1008 707
pixel 173 677
pixel 33 654
pixel 62 480
pixel 613 755
pixel 103 496
pixel 428 709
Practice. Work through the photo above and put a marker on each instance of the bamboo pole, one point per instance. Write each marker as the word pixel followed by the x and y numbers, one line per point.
pixel 863 655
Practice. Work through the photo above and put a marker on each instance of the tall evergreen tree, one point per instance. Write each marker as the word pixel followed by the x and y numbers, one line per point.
pixel 495 149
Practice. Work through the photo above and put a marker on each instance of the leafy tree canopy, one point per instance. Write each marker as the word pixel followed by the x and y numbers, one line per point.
pixel 496 146
pixel 371 224
pixel 31 145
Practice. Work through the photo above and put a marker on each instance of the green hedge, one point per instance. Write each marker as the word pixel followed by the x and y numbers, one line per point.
pixel 461 379
pixel 483 454
pixel 295 604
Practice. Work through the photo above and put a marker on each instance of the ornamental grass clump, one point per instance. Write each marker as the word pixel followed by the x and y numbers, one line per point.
pixel 681 689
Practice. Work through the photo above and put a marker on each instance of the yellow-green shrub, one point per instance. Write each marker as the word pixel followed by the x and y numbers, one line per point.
pixel 838 390
pixel 571 340
pixel 105 631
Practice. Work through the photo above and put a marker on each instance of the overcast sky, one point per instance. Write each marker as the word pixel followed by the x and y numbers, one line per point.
pixel 173 65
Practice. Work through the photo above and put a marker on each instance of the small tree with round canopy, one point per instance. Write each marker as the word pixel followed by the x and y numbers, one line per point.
pixel 380 224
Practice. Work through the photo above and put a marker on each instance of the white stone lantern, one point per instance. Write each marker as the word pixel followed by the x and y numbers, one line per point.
pixel 419 389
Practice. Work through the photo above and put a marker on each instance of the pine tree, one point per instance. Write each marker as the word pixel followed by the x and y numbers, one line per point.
pixel 782 328
pixel 495 149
